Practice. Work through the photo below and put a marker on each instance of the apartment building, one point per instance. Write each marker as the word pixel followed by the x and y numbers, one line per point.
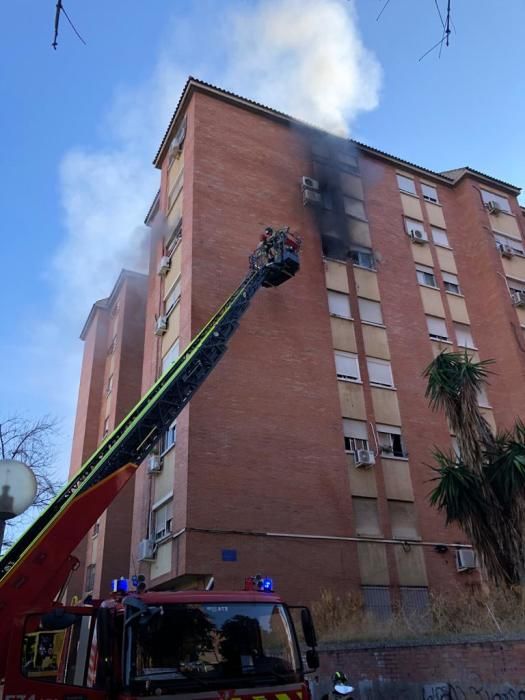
pixel 110 385
pixel 306 454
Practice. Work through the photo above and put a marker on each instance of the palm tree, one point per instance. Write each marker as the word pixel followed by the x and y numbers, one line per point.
pixel 483 488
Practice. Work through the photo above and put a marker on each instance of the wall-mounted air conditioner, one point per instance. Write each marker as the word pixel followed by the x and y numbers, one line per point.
pixel 146 550
pixel 518 298
pixel 364 458
pixel 154 463
pixel 418 235
pixel 493 207
pixel 312 197
pixel 309 183
pixel 164 265
pixel 505 249
pixel 161 325
pixel 465 559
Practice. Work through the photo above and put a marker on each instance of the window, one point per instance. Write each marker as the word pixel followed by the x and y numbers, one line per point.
pixel 95 530
pixel 406 184
pixel 169 438
pixel 370 311
pixel 439 236
pixel 483 399
pixel 430 193
pixel 437 328
pixel 390 441
pixel 412 226
pixel 499 200
pixel 425 275
pixel 172 297
pixel 464 336
pixel 355 207
pixel 515 286
pixel 348 157
pixel 162 519
pixel 356 436
pixel 376 600
pixel 363 257
pixel 451 283
pixel 90 577
pixel 515 245
pixel 170 357
pixel 379 372
pixel 106 426
pixel 347 366
pixel 366 517
pixel 414 600
pixel 112 345
pixel 339 304
pixel 109 385
pixel 175 190
pixel 174 237
pixel 403 520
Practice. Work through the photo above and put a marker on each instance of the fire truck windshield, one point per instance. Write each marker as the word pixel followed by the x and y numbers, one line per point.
pixel 219 645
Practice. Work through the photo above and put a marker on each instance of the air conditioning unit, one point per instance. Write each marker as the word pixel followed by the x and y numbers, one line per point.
pixel 465 559
pixel 493 207
pixel 161 325
pixel 154 464
pixel 505 249
pixel 309 183
pixel 364 458
pixel 518 298
pixel 418 235
pixel 312 197
pixel 147 550
pixel 164 265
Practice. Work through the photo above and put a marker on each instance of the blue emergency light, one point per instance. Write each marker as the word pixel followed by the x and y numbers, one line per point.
pixel 120 585
pixel 267 585
pixel 258 583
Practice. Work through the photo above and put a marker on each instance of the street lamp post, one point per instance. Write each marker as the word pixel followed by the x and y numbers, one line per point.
pixel 17 491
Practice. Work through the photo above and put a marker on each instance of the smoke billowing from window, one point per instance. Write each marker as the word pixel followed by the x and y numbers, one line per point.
pixel 306 58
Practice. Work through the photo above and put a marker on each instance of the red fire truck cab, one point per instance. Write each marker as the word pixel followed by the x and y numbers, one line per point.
pixel 192 644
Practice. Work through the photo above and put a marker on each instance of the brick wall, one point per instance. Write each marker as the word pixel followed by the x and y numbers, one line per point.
pixel 475 668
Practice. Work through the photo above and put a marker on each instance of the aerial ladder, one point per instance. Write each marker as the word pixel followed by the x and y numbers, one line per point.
pixel 35 571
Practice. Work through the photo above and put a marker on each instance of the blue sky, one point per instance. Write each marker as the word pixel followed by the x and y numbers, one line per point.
pixel 81 125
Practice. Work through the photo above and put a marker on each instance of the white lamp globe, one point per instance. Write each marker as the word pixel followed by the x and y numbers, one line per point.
pixel 17 488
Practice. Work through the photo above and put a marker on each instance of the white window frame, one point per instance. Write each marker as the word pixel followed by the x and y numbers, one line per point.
pixel 411 190
pixel 339 298
pixel 437 336
pixel 371 362
pixel 162 519
pixel 174 238
pixel 355 436
pixel 172 296
pixel 393 432
pixel 370 305
pixel 449 278
pixel 422 271
pixel 438 233
pixel 514 285
pixel 351 202
pixel 175 190
pixel 464 332
pixel 105 429
pixel 343 374
pixel 502 201
pixel 169 438
pixel 428 196
pixel 171 356
pixel 109 384
pixel 365 257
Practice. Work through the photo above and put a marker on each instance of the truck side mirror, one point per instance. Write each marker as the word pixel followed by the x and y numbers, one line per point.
pixel 312 659
pixel 308 628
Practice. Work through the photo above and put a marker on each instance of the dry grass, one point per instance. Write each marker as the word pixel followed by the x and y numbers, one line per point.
pixel 491 611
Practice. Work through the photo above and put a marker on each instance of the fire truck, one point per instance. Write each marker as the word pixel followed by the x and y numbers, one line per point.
pixel 191 644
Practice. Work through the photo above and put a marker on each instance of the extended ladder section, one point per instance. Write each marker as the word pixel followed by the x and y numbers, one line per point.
pixel 74 510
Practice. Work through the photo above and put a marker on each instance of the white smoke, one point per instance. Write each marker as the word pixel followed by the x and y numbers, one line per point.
pixel 305 57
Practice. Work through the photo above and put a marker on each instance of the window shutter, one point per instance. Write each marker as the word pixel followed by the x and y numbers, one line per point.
pixel 339 304
pixel 346 365
pixel 370 311
pixel 355 429
pixel 380 372
pixel 437 326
